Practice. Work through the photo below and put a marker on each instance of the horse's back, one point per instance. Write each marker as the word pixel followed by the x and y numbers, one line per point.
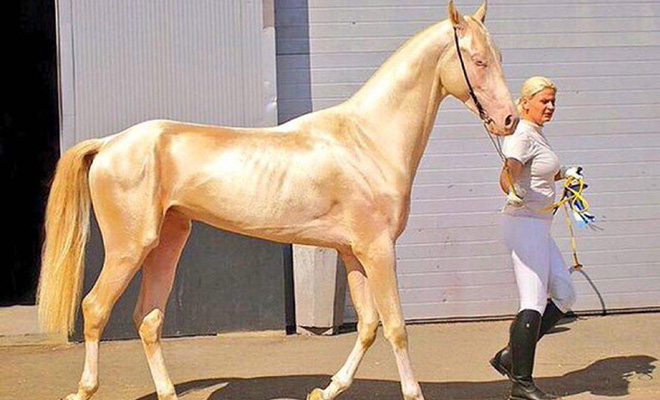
pixel 278 183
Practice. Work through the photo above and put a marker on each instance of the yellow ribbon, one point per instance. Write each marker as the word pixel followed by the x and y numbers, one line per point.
pixel 570 200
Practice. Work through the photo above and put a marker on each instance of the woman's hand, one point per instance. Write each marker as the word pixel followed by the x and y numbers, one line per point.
pixel 574 172
pixel 515 198
pixel 510 174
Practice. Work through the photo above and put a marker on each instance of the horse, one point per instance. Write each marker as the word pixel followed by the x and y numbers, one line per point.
pixel 338 178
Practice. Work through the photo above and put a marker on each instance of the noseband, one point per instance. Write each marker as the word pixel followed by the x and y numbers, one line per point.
pixel 485 118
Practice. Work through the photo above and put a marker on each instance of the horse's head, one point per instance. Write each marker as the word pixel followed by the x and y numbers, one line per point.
pixel 483 66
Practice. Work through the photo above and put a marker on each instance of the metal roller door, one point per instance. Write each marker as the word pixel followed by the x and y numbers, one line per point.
pixel 211 62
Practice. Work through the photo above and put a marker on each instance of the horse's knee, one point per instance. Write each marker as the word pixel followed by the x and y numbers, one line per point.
pixel 367 332
pixel 151 326
pixel 396 334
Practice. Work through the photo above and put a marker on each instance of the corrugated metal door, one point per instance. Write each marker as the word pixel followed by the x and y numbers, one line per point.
pixel 213 62
pixel 604 57
pixel 125 62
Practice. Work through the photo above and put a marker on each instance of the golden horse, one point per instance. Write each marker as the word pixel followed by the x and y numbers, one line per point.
pixel 339 178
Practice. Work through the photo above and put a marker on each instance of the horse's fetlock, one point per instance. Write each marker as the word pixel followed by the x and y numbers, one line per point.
pixel 412 392
pixel 88 387
pixel 342 382
pixel 167 393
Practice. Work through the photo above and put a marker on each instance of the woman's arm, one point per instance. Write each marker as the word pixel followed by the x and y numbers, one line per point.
pixel 515 169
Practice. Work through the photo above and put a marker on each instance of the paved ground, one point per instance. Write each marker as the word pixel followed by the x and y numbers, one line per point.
pixel 612 357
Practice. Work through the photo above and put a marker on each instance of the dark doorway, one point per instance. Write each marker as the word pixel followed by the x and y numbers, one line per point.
pixel 29 141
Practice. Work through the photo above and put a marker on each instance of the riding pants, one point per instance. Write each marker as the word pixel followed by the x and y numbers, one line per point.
pixel 539 267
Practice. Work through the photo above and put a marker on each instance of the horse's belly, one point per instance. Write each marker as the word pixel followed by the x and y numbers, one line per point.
pixel 268 210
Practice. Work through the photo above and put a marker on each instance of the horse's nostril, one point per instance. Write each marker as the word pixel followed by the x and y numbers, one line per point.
pixel 510 122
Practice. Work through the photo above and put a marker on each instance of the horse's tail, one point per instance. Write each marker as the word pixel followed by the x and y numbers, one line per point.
pixel 66 229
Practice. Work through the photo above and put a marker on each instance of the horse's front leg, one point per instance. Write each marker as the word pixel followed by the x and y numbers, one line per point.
pixel 378 259
pixel 367 327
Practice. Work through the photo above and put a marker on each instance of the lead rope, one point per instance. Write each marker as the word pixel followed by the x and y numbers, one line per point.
pixel 576 263
pixel 574 200
pixel 571 198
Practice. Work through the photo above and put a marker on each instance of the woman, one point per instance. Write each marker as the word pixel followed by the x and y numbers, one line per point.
pixel 544 283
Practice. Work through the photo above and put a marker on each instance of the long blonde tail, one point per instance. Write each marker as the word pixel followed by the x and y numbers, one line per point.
pixel 67 229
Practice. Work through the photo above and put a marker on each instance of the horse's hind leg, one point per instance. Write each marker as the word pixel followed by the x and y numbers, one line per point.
pixel 157 279
pixel 123 257
pixel 367 327
pixel 129 222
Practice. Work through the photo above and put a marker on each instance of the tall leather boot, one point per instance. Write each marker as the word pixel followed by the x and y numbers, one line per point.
pixel 524 335
pixel 502 359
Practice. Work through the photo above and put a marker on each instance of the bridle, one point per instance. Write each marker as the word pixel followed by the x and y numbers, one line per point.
pixel 485 118
pixel 483 115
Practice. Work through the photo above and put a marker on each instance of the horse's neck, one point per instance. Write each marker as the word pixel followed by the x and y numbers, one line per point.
pixel 399 103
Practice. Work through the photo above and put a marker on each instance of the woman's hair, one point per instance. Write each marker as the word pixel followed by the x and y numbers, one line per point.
pixel 531 87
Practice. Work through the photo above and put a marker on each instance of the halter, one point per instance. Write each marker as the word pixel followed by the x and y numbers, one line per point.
pixel 483 115
pixel 485 118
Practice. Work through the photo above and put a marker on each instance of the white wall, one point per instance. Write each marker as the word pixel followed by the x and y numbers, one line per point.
pixel 605 59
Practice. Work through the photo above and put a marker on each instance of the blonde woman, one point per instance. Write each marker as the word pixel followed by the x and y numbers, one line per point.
pixel 544 283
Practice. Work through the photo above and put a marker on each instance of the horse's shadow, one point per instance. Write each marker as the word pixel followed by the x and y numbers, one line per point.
pixel 606 377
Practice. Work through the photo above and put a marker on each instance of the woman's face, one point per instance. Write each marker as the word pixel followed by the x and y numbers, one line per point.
pixel 540 107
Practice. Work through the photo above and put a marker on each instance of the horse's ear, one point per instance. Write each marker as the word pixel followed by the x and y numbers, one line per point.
pixel 454 16
pixel 480 15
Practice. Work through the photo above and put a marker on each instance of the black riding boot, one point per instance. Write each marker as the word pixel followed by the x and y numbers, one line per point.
pixel 502 359
pixel 524 335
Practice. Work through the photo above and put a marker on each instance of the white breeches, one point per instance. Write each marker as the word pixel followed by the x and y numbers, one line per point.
pixel 540 270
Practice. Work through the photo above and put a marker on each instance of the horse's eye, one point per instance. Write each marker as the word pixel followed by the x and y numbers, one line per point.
pixel 480 63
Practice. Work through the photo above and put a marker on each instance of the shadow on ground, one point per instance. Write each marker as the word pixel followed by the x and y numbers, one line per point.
pixel 606 377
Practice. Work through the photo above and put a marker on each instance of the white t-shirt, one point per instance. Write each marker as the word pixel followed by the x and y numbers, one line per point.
pixel 540 165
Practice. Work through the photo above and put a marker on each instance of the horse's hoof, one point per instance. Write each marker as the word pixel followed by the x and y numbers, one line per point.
pixel 317 394
pixel 71 397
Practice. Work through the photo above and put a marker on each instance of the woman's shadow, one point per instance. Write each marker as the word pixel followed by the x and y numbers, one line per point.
pixel 607 377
